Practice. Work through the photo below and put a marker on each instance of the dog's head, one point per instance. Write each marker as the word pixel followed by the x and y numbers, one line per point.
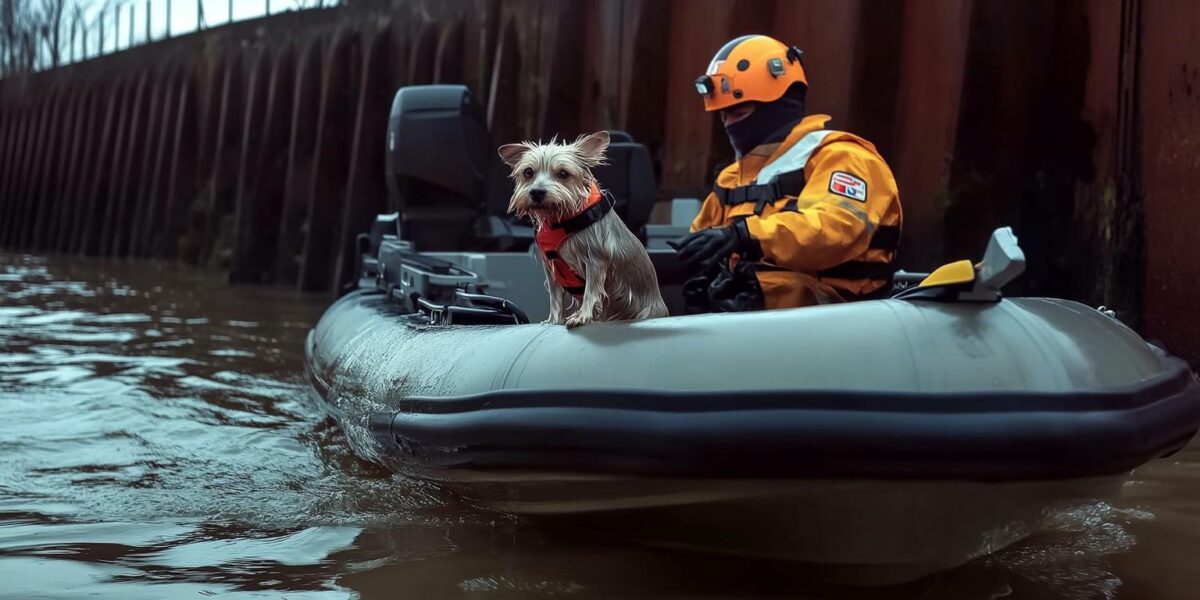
pixel 553 181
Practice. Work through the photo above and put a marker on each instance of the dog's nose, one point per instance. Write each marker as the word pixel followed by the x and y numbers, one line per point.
pixel 537 195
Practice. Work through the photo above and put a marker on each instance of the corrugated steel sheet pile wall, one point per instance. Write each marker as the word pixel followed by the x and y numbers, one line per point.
pixel 259 145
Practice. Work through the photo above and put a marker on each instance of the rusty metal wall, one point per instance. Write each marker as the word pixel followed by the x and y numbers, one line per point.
pixel 257 147
pixel 1170 97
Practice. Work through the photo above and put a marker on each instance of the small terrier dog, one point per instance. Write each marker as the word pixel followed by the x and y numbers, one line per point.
pixel 593 263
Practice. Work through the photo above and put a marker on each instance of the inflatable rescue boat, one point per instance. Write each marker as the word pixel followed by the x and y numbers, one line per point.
pixel 885 438
pixel 902 436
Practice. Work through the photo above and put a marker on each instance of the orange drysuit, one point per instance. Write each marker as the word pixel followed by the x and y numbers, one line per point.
pixel 824 207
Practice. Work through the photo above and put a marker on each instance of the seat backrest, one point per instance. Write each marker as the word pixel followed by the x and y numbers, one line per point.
pixel 439 160
pixel 629 177
pixel 616 136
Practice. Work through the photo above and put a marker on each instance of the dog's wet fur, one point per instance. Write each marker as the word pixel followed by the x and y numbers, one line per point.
pixel 552 182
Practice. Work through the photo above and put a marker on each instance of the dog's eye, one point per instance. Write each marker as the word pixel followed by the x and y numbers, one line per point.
pixel 528 173
pixel 563 174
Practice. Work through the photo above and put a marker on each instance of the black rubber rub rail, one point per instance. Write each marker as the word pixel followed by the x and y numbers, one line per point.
pixel 771 434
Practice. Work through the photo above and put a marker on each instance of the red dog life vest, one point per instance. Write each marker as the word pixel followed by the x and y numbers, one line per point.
pixel 550 238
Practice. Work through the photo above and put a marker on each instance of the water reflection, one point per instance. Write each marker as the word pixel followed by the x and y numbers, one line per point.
pixel 158 442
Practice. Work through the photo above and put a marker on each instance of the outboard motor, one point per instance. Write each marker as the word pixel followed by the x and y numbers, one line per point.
pixel 439 161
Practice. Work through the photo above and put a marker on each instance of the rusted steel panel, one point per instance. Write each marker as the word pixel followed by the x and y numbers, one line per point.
pixel 86 239
pixel 366 194
pixel 935 33
pixel 41 192
pixel 827 32
pixel 326 195
pixel 157 200
pixel 57 168
pixel 644 58
pixel 248 265
pixel 422 54
pixel 479 45
pixel 698 29
pixel 128 146
pixel 505 81
pixel 19 190
pixel 81 152
pixel 1006 65
pixel 1108 210
pixel 558 111
pixel 223 180
pixel 600 97
pixel 876 84
pixel 448 58
pixel 270 172
pixel 301 155
pixel 22 117
pixel 252 130
pixel 132 226
pixel 1170 71
pixel 68 168
pixel 7 122
pixel 181 176
pixel 27 181
pixel 1126 245
pixel 122 147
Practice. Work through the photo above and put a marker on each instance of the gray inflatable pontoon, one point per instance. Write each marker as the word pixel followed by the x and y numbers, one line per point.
pixel 892 438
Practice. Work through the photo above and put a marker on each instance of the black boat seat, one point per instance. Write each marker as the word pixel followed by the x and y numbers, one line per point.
pixel 629 177
pixel 451 188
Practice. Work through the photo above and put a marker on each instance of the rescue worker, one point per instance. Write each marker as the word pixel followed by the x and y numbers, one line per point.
pixel 805 215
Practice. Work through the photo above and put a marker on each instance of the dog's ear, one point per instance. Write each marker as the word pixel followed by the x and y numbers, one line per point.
pixel 591 148
pixel 511 153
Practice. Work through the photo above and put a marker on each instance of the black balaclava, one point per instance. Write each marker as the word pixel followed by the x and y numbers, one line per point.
pixel 770 120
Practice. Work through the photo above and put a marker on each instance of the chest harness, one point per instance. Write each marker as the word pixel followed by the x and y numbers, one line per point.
pixel 784 176
pixel 550 238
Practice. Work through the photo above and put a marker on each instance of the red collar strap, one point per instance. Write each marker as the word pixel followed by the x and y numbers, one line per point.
pixel 550 238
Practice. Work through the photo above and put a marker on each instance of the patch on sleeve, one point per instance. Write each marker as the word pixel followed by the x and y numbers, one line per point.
pixel 845 184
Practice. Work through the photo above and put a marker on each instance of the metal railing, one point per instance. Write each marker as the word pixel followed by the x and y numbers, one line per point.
pixel 36 35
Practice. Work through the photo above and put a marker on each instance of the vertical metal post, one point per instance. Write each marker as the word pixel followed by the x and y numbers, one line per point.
pixel 230 14
pixel 169 19
pixel 132 23
pixel 100 33
pixel 147 40
pixel 200 24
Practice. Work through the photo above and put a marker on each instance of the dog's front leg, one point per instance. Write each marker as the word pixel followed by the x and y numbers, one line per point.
pixel 558 304
pixel 593 293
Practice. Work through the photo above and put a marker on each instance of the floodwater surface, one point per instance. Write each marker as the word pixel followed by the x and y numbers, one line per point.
pixel 157 441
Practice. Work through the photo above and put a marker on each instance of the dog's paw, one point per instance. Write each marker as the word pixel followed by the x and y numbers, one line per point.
pixel 577 320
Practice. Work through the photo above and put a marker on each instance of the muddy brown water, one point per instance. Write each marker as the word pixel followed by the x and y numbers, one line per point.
pixel 157 441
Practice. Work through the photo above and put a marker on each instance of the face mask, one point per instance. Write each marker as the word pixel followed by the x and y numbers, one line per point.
pixel 768 121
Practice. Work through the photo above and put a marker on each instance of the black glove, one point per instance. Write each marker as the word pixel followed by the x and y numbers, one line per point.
pixel 736 290
pixel 701 250
pixel 695 295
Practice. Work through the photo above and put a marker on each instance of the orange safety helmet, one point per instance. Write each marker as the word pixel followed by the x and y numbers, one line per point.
pixel 750 68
